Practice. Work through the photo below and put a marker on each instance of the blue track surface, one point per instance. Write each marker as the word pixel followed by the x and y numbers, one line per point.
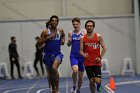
pixel 41 85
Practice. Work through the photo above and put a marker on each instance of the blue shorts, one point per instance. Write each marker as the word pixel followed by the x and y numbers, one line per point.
pixel 79 61
pixel 49 59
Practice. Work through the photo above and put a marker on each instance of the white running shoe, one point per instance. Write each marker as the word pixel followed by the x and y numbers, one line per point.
pixel 73 90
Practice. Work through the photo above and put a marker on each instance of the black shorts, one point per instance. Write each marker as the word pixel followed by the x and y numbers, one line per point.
pixel 93 71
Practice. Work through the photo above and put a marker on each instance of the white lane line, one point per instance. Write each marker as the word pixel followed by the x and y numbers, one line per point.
pixel 29 89
pixel 32 87
pixel 48 88
pixel 107 88
pixel 14 90
pixel 25 86
pixel 41 90
pixel 19 88
pixel 67 86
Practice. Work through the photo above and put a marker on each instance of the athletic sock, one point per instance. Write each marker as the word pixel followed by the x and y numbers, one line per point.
pixel 99 87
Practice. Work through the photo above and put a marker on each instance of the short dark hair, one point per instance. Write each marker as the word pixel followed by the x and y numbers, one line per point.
pixel 37 37
pixel 13 37
pixel 47 24
pixel 54 16
pixel 76 19
pixel 88 22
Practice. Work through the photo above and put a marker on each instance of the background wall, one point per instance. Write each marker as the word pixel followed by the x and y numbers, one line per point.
pixel 115 20
pixel 118 33
pixel 36 9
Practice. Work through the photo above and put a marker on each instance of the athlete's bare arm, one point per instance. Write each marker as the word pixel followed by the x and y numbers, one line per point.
pixel 69 38
pixel 101 41
pixel 42 46
pixel 62 36
pixel 82 47
pixel 42 38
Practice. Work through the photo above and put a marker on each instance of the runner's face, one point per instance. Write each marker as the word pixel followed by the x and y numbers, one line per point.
pixel 76 25
pixel 89 27
pixel 14 40
pixel 54 22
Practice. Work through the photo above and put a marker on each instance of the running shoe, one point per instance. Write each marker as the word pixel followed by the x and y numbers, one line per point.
pixel 73 90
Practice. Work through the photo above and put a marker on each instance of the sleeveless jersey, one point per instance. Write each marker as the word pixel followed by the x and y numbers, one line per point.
pixel 76 44
pixel 53 46
pixel 92 47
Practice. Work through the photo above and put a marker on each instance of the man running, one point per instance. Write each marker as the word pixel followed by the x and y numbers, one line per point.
pixel 90 50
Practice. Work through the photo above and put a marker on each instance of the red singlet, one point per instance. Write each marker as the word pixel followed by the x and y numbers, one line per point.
pixel 92 47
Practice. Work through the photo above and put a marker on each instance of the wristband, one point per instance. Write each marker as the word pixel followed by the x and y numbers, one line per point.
pixel 100 57
pixel 68 43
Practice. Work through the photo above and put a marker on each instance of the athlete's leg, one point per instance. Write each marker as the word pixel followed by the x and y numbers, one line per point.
pixel 56 63
pixel 98 83
pixel 52 78
pixel 92 85
pixel 90 74
pixel 56 74
pixel 80 73
pixel 98 78
pixel 48 77
pixel 41 65
pixel 74 74
pixel 48 60
pixel 74 66
pixel 80 79
pixel 35 66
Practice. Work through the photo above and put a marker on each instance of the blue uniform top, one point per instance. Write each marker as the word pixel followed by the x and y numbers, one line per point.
pixel 53 46
pixel 76 44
